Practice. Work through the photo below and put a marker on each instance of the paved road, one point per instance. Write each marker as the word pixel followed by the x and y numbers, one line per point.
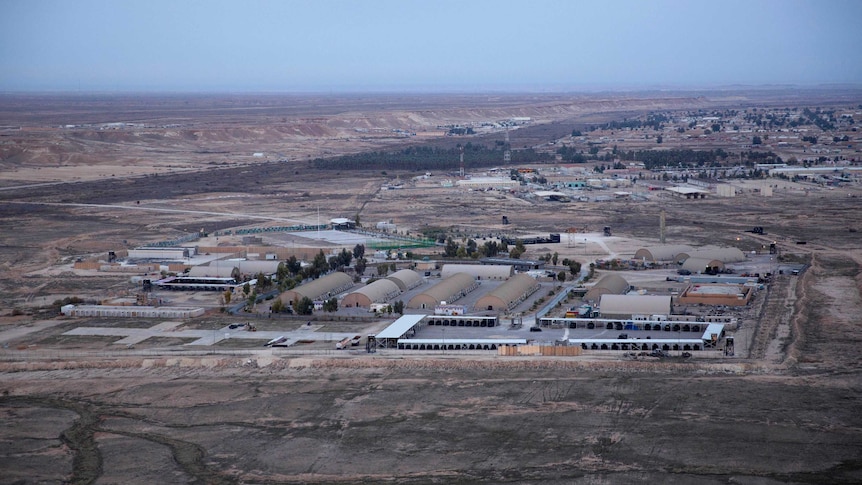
pixel 131 336
pixel 161 209
pixel 22 331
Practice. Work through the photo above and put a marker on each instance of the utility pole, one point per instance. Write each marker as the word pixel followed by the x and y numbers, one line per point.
pixel 662 226
pixel 507 155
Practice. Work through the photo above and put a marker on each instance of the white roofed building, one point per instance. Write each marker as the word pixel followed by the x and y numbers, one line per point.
pixel 224 268
pixel 488 183
pixel 625 306
pixel 688 192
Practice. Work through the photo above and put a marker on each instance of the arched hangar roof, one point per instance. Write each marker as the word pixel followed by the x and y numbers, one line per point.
pixel 406 279
pixel 321 288
pixel 375 292
pixel 450 289
pixel 480 271
pixel 613 284
pixel 668 252
pixel 515 290
pixel 725 255
pixel 698 265
pixel 223 269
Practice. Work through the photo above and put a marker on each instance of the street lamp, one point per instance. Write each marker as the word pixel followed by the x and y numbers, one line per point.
pixel 444 341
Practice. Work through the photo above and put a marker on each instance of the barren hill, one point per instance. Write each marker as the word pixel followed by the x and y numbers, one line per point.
pixel 56 138
pixel 61 138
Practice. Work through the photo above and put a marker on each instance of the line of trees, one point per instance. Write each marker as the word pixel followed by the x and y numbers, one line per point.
pixel 572 154
pixel 818 120
pixel 290 274
pixel 428 158
pixel 653 120
pixel 470 249
pixel 674 158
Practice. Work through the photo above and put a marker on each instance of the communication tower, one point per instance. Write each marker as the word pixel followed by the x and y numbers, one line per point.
pixel 507 155
pixel 662 226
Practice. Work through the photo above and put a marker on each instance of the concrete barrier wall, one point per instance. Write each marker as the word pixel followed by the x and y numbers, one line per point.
pixel 543 350
pixel 282 254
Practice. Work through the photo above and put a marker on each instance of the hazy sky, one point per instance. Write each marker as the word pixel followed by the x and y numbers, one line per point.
pixel 462 45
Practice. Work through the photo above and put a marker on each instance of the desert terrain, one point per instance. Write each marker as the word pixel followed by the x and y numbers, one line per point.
pixel 81 176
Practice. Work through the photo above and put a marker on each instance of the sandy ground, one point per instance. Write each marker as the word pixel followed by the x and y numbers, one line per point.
pixel 78 409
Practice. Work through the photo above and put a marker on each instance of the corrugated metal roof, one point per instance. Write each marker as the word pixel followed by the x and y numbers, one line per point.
pixel 513 289
pixel 662 253
pixel 444 290
pixel 713 328
pixel 698 265
pixel 610 283
pixel 478 270
pixel 400 327
pixel 725 255
pixel 406 279
pixel 463 341
pixel 681 341
pixel 635 304
pixel 321 286
pixel 376 291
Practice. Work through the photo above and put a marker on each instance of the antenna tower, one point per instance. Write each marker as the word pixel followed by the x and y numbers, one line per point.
pixel 461 173
pixel 507 155
pixel 662 226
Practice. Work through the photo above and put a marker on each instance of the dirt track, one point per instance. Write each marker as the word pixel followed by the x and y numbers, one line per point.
pixel 446 422
pixel 347 420
pixel 789 413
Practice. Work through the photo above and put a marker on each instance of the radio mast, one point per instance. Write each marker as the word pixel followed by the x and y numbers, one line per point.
pixel 507 155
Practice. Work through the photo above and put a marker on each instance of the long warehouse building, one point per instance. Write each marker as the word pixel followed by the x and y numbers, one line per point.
pixel 625 306
pixel 377 291
pixel 508 295
pixel 319 289
pixel 725 255
pixel 448 290
pixel 669 252
pixel 479 271
pixel 406 279
pixel 383 290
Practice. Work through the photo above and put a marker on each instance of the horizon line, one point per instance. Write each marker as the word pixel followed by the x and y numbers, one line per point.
pixel 535 90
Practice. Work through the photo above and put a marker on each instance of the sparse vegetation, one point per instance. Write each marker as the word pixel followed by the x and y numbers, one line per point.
pixel 606 398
